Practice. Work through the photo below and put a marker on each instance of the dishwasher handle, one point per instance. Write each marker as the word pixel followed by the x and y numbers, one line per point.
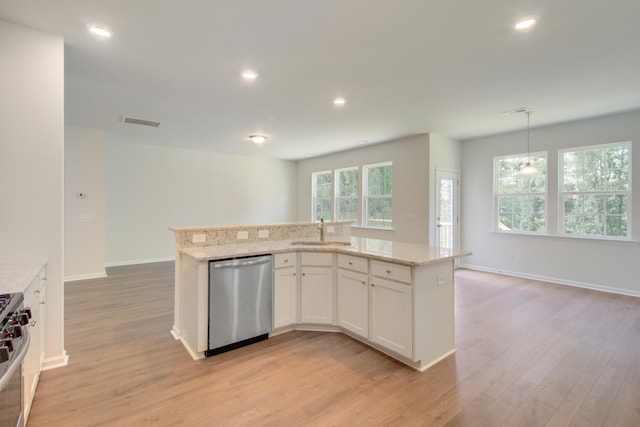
pixel 244 262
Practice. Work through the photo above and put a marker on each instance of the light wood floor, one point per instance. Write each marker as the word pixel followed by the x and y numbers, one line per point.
pixel 528 354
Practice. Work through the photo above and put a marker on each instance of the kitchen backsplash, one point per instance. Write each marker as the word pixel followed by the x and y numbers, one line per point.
pixel 188 237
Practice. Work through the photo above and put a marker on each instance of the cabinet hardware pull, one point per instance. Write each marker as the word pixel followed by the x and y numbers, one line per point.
pixel 37 291
pixel 350 263
pixel 388 271
pixel 33 323
pixel 286 260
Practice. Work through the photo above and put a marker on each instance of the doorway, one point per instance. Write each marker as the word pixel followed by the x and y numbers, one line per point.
pixel 447 201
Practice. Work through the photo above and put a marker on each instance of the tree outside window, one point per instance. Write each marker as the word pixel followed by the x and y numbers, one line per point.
pixel 596 190
pixel 378 195
pixel 347 207
pixel 520 200
pixel 322 195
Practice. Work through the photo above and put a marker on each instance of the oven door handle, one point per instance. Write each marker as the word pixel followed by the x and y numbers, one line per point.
pixel 16 362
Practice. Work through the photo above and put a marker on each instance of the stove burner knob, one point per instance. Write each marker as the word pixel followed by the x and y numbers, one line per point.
pixel 15 331
pixel 26 311
pixel 21 319
pixel 8 343
pixel 4 354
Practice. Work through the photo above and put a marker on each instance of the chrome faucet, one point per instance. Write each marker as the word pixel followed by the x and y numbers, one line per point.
pixel 321 228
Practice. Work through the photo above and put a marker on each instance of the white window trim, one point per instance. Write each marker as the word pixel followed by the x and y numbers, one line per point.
pixel 337 197
pixel 496 208
pixel 561 193
pixel 361 221
pixel 314 192
pixel 365 197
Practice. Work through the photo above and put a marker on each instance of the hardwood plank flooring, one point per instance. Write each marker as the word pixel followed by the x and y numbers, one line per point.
pixel 528 354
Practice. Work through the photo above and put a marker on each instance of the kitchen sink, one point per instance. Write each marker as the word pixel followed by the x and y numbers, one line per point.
pixel 320 243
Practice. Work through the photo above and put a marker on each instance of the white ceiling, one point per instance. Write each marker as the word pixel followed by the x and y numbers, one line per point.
pixel 405 67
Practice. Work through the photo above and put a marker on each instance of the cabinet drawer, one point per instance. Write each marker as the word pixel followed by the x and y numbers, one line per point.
pixel 353 263
pixel 397 272
pixel 285 260
pixel 316 258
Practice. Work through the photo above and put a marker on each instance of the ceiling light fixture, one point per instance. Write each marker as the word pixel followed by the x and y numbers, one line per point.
pixel 339 101
pixel 100 32
pixel 249 75
pixel 524 24
pixel 257 139
pixel 528 169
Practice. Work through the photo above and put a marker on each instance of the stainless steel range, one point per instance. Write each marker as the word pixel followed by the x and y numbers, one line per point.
pixel 14 343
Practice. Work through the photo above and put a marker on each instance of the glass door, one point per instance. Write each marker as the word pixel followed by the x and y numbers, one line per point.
pixel 447 224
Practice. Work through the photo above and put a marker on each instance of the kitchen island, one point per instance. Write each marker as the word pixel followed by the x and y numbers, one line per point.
pixel 395 297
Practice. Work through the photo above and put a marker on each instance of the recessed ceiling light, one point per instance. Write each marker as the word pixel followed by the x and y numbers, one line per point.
pixel 257 139
pixel 339 101
pixel 101 32
pixel 524 24
pixel 249 75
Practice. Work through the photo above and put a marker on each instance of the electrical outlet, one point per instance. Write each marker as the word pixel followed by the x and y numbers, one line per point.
pixel 198 238
pixel 242 235
pixel 263 234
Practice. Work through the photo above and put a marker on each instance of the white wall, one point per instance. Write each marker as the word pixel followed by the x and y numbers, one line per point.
pixel 84 231
pixel 589 263
pixel 446 154
pixel 152 188
pixel 31 162
pixel 410 158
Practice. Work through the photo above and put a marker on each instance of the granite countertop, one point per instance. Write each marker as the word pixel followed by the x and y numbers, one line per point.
pixel 16 276
pixel 383 250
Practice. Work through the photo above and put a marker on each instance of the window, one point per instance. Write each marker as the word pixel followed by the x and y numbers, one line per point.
pixel 378 179
pixel 322 195
pixel 520 201
pixel 347 195
pixel 595 190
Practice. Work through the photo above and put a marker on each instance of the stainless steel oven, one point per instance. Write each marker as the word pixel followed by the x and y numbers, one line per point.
pixel 14 343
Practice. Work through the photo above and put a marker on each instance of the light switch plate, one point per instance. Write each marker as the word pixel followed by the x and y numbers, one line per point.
pixel 242 235
pixel 263 234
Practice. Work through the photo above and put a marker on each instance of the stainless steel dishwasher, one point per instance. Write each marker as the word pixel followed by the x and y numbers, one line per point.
pixel 240 302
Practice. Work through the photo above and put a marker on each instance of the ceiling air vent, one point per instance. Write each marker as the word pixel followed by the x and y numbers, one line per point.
pixel 141 122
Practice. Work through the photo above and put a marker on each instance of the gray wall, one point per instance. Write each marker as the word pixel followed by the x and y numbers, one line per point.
pixel 592 263
pixel 410 158
pixel 84 218
pixel 149 189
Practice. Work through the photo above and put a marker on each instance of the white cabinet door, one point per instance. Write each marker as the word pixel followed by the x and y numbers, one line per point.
pixel 391 316
pixel 284 297
pixel 353 302
pixel 316 295
pixel 32 365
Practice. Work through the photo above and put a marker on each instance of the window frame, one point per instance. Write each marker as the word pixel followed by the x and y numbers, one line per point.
pixel 362 175
pixel 366 197
pixel 497 195
pixel 338 198
pixel 314 194
pixel 628 193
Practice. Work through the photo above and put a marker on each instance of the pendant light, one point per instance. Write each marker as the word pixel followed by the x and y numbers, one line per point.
pixel 528 169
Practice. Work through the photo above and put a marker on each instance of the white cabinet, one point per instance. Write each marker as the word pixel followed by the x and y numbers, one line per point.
pixel 353 295
pixel 316 288
pixel 285 293
pixel 392 308
pixel 34 298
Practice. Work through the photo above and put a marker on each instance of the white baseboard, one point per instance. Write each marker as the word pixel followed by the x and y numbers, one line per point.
pixel 85 277
pixel 56 362
pixel 594 287
pixel 139 261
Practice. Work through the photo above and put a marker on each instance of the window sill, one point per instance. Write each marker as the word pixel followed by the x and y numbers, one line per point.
pixel 367 227
pixel 566 237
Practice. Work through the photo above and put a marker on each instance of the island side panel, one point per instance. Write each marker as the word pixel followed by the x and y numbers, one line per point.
pixel 434 313
pixel 194 298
